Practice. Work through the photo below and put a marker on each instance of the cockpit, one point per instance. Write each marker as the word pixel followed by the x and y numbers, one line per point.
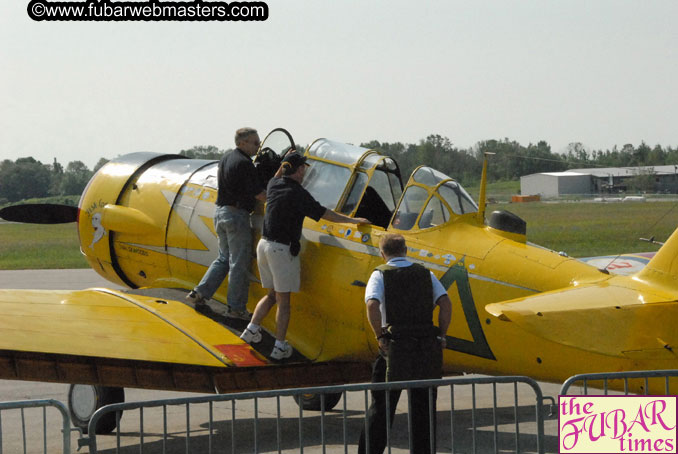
pixel 360 182
pixel 431 199
pixel 353 181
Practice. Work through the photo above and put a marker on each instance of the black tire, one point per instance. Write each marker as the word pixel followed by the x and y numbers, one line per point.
pixel 314 403
pixel 84 400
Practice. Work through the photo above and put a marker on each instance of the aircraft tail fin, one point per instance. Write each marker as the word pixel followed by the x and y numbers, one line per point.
pixel 663 268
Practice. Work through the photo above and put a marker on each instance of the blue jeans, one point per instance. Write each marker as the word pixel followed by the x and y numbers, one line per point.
pixel 235 254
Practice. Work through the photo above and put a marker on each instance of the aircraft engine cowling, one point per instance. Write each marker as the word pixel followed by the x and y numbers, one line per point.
pixel 124 214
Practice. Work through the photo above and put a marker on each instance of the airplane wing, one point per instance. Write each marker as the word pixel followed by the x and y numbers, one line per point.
pixel 608 318
pixel 624 264
pixel 118 338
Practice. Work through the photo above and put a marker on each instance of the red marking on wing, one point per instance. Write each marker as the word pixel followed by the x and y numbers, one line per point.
pixel 619 265
pixel 241 355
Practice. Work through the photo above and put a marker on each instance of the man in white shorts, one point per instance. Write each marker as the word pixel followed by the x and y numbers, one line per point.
pixel 287 204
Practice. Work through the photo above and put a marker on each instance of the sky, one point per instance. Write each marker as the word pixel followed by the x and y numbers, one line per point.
pixel 602 73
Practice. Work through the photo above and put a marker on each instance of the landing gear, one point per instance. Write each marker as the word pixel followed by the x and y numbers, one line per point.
pixel 84 400
pixel 313 401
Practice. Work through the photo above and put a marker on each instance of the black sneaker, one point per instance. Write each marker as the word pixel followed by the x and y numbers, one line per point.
pixel 240 315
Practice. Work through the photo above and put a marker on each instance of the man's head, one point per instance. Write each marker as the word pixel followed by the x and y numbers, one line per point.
pixel 294 166
pixel 247 139
pixel 392 245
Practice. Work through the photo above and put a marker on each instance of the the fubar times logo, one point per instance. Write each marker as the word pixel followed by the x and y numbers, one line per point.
pixel 617 424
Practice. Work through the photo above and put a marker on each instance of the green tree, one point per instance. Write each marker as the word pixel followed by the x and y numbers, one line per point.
pixel 642 181
pixel 75 178
pixel 203 152
pixel 57 175
pixel 577 154
pixel 656 157
pixel 23 179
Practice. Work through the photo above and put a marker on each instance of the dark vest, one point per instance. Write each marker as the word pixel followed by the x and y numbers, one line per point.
pixel 408 296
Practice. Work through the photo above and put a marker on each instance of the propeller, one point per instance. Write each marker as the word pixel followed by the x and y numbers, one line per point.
pixel 40 213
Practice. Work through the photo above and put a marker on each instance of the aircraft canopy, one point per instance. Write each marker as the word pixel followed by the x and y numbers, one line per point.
pixel 431 199
pixel 353 180
pixel 360 182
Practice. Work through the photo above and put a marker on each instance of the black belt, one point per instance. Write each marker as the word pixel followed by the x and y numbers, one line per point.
pixel 286 243
pixel 237 206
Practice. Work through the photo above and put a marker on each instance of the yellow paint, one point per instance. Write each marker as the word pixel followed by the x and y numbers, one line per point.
pixel 107 324
pixel 541 314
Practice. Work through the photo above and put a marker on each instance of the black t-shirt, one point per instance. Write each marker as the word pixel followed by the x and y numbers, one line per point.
pixel 238 181
pixel 287 204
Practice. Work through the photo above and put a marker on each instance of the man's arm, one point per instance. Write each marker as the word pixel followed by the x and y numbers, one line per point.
pixel 333 216
pixel 261 196
pixel 444 316
pixel 374 317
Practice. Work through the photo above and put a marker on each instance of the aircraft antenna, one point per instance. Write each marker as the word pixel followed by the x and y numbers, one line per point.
pixel 483 186
pixel 649 231
pixel 651 238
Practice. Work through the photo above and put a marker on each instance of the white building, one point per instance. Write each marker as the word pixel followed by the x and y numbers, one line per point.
pixel 554 184
pixel 609 180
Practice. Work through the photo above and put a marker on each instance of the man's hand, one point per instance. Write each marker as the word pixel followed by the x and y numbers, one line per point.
pixel 383 344
pixel 362 221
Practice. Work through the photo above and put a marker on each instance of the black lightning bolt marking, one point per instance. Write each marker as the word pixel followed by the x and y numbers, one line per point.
pixel 479 346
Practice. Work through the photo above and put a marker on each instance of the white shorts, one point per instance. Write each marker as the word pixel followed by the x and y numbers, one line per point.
pixel 277 268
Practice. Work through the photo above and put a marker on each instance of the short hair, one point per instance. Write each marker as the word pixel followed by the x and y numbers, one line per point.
pixel 243 133
pixel 393 245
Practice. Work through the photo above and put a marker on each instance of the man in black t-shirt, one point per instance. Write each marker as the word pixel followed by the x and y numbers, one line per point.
pixel 287 204
pixel 239 187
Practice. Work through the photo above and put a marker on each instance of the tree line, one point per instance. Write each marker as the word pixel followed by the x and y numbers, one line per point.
pixel 28 178
pixel 509 160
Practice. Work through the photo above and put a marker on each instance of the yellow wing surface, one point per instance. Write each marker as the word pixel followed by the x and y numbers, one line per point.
pixel 114 338
pixel 107 323
pixel 608 319
pixel 623 316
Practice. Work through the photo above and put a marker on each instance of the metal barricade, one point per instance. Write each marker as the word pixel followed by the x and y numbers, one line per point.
pixel 254 422
pixel 22 405
pixel 606 377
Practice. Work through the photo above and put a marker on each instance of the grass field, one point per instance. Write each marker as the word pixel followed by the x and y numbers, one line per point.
pixel 498 190
pixel 585 229
pixel 580 229
pixel 33 246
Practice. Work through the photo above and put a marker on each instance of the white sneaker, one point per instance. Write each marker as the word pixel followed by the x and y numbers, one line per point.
pixel 281 353
pixel 251 337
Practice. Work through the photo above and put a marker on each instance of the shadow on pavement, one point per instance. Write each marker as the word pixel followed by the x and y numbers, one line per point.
pixel 239 437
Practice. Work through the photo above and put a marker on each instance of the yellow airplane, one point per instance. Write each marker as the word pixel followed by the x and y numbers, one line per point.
pixel 145 222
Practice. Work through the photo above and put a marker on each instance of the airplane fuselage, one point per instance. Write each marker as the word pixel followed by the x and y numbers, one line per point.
pixel 146 221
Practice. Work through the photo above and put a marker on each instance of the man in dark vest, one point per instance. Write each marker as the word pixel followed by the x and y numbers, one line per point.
pixel 400 298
